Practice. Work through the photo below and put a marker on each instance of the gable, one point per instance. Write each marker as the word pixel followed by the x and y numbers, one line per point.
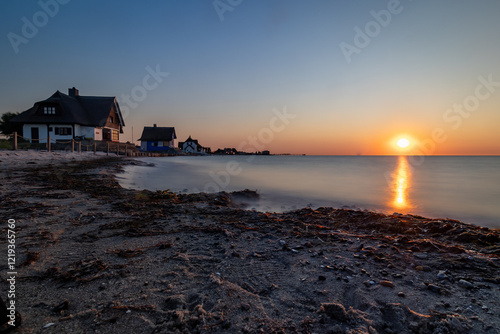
pixel 153 133
pixel 100 108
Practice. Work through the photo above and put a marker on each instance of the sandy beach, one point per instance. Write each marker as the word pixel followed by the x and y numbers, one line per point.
pixel 92 257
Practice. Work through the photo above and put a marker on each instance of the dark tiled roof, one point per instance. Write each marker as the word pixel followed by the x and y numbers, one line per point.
pixel 192 140
pixel 154 133
pixel 83 110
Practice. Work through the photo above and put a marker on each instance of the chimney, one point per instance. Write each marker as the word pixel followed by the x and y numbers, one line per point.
pixel 154 125
pixel 73 92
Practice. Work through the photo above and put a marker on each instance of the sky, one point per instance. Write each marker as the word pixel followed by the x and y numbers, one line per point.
pixel 314 77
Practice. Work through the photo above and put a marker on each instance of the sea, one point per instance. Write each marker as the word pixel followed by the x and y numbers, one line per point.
pixel 466 188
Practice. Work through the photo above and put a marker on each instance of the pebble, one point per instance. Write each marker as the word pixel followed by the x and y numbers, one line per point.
pixel 369 283
pixel 48 325
pixel 401 294
pixel 434 288
pixel 388 284
pixel 409 282
pixel 423 268
pixel 442 275
pixel 421 255
pixel 322 278
pixel 465 284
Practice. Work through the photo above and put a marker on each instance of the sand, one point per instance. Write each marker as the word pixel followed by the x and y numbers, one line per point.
pixel 92 257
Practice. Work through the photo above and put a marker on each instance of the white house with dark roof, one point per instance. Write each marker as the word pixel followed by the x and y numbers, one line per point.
pixel 65 117
pixel 158 138
pixel 192 146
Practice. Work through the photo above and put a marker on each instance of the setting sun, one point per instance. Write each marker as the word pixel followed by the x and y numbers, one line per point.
pixel 403 143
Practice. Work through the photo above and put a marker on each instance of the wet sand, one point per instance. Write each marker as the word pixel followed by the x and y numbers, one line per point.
pixel 92 257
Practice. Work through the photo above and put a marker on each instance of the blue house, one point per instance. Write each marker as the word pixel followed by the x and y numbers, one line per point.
pixel 155 138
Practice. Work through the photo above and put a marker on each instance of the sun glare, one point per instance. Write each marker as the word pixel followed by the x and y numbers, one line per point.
pixel 401 184
pixel 403 143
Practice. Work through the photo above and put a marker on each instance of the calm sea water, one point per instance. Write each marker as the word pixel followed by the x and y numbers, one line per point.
pixel 463 188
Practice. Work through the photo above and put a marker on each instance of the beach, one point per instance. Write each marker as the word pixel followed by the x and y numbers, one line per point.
pixel 93 257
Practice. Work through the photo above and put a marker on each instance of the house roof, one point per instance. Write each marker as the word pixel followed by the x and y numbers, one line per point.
pixel 83 110
pixel 189 143
pixel 192 140
pixel 154 133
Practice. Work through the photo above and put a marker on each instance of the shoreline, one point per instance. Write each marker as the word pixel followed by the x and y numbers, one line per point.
pixel 327 188
pixel 94 256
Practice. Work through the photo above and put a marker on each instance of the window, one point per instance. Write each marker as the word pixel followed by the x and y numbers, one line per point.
pixel 115 135
pixel 49 110
pixel 63 131
pixel 110 119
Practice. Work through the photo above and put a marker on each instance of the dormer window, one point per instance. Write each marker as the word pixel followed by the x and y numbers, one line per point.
pixel 110 119
pixel 49 110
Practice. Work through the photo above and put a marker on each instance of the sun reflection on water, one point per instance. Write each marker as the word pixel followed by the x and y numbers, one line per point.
pixel 401 184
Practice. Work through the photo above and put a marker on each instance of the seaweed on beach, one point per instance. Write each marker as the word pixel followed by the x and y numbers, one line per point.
pixel 197 263
pixel 81 271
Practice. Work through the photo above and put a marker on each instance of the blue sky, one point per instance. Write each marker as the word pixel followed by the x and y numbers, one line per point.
pixel 227 76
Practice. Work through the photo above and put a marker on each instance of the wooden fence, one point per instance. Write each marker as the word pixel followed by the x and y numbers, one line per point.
pixel 73 145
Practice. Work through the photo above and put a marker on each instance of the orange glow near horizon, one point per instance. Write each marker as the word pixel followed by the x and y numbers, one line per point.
pixel 401 184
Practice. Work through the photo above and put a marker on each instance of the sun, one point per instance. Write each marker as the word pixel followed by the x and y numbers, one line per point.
pixel 403 143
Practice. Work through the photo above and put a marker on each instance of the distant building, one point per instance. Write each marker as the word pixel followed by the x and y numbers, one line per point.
pixel 192 146
pixel 65 117
pixel 226 151
pixel 156 138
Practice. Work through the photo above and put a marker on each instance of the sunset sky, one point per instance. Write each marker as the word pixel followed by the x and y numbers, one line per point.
pixel 314 77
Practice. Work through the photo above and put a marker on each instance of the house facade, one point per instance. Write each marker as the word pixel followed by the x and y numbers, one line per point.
pixel 65 117
pixel 193 147
pixel 156 138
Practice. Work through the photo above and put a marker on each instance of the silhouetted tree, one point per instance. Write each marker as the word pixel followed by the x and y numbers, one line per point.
pixel 6 126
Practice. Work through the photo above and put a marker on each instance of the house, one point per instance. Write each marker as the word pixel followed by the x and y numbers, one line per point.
pixel 156 138
pixel 192 146
pixel 66 117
